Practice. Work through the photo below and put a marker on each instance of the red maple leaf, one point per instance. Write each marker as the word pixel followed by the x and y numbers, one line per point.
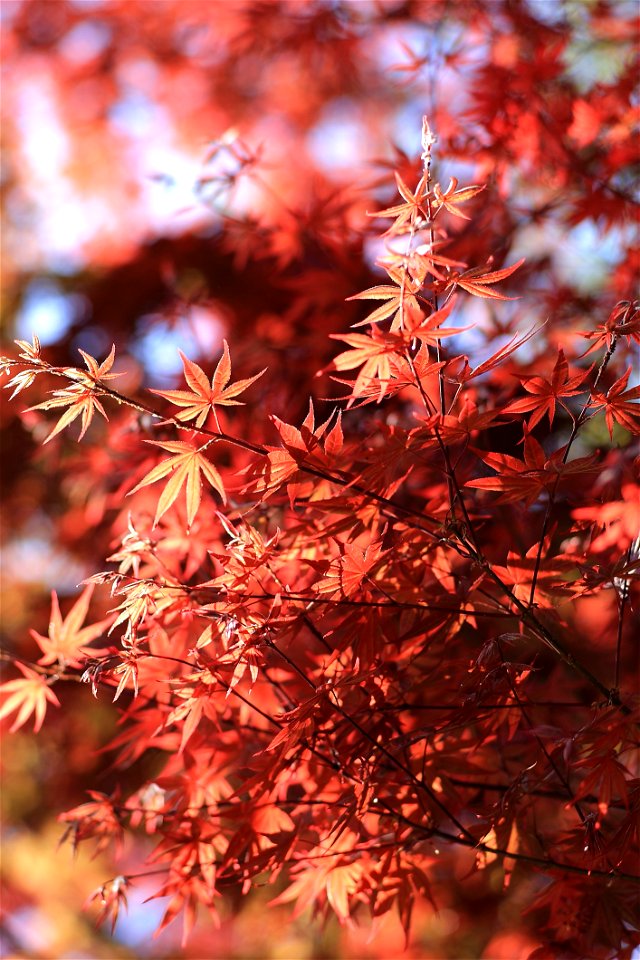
pixel 203 397
pixel 479 284
pixel 545 393
pixel 67 641
pixel 526 479
pixel 28 696
pixel 186 467
pixel 81 396
pixel 620 405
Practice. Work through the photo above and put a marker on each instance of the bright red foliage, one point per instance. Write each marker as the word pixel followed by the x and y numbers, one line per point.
pixel 353 654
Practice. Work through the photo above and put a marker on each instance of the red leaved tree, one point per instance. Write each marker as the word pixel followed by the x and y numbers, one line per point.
pixel 377 646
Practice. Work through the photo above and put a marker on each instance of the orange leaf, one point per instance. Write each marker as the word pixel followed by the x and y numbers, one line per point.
pixel 67 639
pixel 28 696
pixel 476 283
pixel 202 396
pixel 185 468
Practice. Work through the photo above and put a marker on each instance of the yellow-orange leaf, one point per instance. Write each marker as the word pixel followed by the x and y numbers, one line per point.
pixel 67 640
pixel 185 467
pixel 28 696
pixel 478 283
pixel 203 396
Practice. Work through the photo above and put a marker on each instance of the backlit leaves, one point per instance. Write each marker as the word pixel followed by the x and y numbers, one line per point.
pixel 405 638
pixel 620 405
pixel 202 396
pixel 66 643
pixel 81 396
pixel 413 206
pixel 29 352
pixel 393 296
pixel 375 354
pixel 525 479
pixel 480 284
pixel 27 696
pixel 623 322
pixel 452 197
pixel 545 393
pixel 111 896
pixel 351 570
pixel 186 467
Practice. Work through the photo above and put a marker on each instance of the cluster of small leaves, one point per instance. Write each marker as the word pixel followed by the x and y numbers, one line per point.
pixel 351 679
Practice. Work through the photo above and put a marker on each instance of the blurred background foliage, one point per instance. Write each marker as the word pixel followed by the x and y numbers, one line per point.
pixel 178 170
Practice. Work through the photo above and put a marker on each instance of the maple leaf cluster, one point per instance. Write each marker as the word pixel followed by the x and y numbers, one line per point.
pixel 355 649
